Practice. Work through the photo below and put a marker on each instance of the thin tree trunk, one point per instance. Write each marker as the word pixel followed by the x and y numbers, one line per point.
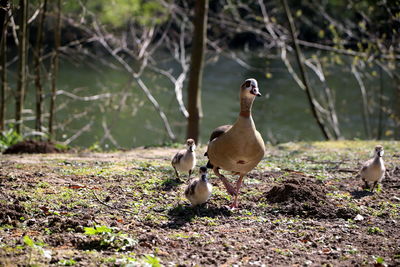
pixel 380 107
pixel 22 68
pixel 4 19
pixel 38 61
pixel 364 102
pixel 303 74
pixel 196 69
pixel 54 66
pixel 397 107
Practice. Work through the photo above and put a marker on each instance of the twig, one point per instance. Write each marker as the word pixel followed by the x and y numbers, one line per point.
pixel 347 170
pixel 110 206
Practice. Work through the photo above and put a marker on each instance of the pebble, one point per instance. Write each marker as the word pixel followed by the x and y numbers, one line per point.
pixel 359 217
pixel 396 198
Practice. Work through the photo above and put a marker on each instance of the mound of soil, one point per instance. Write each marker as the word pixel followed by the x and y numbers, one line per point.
pixel 31 147
pixel 58 224
pixel 300 190
pixel 306 198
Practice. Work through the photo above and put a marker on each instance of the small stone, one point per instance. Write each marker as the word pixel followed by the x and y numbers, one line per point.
pixel 359 217
pixel 47 253
pixel 308 262
pixel 396 198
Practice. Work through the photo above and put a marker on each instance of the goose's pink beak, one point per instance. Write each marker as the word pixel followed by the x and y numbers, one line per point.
pixel 255 91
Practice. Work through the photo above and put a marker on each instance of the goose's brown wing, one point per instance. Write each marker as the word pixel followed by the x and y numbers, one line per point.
pixel 219 131
pixel 215 134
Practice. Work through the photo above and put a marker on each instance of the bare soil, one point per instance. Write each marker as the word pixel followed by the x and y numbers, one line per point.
pixel 302 206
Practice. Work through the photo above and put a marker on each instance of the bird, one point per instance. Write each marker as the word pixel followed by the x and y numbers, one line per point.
pixel 185 159
pixel 373 170
pixel 199 190
pixel 237 148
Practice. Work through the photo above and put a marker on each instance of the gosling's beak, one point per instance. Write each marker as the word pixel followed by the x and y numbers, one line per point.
pixel 380 153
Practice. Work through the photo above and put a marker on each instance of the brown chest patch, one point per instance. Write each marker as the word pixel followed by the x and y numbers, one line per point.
pixel 241 162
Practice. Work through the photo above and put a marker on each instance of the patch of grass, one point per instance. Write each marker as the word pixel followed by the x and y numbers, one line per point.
pixel 182 235
pixel 109 239
pixel 375 230
pixel 69 262
pixel 207 221
pixel 340 195
pixel 284 252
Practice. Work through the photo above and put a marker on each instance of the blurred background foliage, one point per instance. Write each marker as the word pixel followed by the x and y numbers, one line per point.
pixel 124 68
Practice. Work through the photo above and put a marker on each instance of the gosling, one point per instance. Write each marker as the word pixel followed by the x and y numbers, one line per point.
pixel 374 169
pixel 199 190
pixel 185 160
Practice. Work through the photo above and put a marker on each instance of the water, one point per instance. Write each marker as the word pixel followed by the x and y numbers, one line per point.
pixel 281 114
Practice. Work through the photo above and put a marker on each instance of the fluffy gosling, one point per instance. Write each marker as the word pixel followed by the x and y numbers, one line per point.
pixel 374 169
pixel 185 160
pixel 199 190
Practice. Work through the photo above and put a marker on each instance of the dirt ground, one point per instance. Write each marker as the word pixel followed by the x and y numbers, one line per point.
pixel 302 206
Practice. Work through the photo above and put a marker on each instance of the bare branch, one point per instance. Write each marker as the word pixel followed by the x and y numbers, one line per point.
pixel 79 133
pixel 84 98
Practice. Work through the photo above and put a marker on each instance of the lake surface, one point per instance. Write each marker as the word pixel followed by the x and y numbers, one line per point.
pixel 282 114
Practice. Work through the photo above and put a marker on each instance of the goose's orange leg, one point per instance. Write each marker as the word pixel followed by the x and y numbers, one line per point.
pixel 239 183
pixel 231 190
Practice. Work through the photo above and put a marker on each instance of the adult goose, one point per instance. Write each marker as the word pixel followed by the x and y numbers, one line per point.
pixel 374 169
pixel 239 147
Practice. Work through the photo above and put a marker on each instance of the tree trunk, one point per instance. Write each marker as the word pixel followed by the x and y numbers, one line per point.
pixel 397 107
pixel 54 67
pixel 303 74
pixel 196 69
pixel 3 58
pixel 380 107
pixel 22 67
pixel 38 61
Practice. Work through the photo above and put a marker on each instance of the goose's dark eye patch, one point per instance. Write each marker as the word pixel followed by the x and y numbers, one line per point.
pixel 247 84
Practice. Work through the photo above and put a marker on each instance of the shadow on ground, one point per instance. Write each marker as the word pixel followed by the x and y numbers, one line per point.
pixel 182 214
pixel 360 194
pixel 170 183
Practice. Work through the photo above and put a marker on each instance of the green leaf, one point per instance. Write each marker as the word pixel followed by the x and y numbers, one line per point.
pixel 67 262
pixel 380 260
pixel 97 230
pixel 152 260
pixel 103 229
pixel 90 231
pixel 29 242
